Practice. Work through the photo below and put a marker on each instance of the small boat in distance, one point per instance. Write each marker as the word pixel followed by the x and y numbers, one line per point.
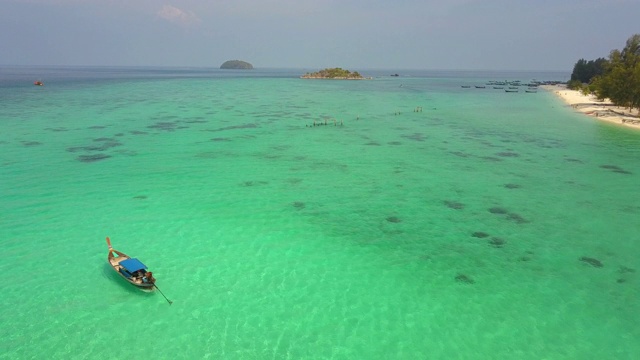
pixel 466 86
pixel 131 269
pixel 38 83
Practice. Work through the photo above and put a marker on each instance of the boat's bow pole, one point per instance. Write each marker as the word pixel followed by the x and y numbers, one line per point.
pixel 109 243
pixel 169 301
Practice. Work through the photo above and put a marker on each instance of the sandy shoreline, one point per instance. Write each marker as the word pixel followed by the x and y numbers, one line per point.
pixel 589 105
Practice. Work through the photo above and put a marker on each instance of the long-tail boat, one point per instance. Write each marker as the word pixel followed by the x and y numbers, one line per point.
pixel 131 269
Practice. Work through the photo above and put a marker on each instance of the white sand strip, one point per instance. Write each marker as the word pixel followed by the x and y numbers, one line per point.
pixel 589 105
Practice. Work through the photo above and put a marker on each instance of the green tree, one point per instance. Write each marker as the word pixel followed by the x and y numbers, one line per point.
pixel 574 85
pixel 621 79
pixel 584 71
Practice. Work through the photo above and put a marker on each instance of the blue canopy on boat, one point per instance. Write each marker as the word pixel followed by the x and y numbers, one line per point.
pixel 133 265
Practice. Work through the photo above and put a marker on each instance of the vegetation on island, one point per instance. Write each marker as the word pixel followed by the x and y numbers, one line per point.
pixel 333 73
pixel 616 78
pixel 236 64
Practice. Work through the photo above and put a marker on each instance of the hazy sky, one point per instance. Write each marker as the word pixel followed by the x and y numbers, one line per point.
pixel 353 34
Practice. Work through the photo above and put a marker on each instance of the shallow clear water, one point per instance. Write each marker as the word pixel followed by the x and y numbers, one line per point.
pixel 471 228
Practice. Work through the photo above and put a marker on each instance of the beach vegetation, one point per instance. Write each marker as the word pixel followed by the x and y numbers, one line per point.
pixel 575 85
pixel 584 71
pixel 618 79
pixel 621 80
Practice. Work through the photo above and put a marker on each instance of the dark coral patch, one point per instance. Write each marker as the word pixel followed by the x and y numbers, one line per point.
pixel 219 139
pixel 104 144
pixel 245 126
pixel 299 205
pixel 394 219
pixel 394 143
pixel 625 270
pixel 497 242
pixel 610 167
pixel 498 210
pixel 195 121
pixel 454 205
pixel 507 154
pixel 164 126
pixel 31 143
pixel 491 158
pixel 517 218
pixel 465 279
pixel 254 183
pixel 480 234
pixel 460 154
pixel 140 197
pixel 93 158
pixel 592 261
pixel 415 136
pixel 616 169
pixel 512 186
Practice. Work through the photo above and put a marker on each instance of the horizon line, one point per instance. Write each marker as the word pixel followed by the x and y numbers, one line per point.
pixel 279 68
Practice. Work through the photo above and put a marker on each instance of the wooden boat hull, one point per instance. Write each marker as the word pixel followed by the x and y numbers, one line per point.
pixel 115 257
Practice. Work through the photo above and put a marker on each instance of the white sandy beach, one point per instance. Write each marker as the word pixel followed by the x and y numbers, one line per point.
pixel 589 105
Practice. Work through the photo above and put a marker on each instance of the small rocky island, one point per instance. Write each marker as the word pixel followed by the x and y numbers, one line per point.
pixel 236 64
pixel 334 73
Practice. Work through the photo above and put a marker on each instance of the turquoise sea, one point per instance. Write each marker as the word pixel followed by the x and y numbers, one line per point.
pixel 423 221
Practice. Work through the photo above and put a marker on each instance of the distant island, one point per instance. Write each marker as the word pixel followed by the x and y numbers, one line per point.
pixel 334 73
pixel 236 64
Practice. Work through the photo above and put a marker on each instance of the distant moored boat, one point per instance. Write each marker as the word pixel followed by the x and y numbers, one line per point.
pixel 38 83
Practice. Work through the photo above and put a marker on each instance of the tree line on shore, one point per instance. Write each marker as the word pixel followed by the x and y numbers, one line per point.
pixel 616 78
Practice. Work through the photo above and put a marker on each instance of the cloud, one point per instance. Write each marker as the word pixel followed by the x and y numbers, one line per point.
pixel 175 15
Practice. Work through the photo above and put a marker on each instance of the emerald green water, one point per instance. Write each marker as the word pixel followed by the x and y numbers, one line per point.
pixel 277 239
